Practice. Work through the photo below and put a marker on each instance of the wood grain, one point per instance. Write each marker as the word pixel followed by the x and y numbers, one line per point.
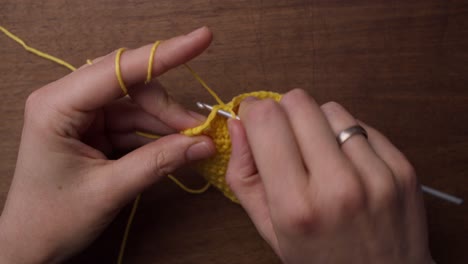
pixel 401 66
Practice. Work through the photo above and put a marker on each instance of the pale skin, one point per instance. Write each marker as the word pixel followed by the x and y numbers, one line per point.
pixel 310 199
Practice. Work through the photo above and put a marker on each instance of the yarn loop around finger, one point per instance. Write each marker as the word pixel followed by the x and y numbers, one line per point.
pixel 151 60
pixel 118 72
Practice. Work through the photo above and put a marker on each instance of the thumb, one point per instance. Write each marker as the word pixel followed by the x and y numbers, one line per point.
pixel 246 183
pixel 134 172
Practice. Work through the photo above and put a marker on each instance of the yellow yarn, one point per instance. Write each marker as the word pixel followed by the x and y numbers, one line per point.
pixel 147 135
pixel 123 244
pixel 187 189
pixel 215 96
pixel 118 72
pixel 150 61
pixel 35 51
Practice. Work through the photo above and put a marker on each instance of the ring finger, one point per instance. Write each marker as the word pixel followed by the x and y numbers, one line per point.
pixel 376 176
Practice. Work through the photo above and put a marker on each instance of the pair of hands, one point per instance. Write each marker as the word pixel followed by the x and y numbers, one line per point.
pixel 310 199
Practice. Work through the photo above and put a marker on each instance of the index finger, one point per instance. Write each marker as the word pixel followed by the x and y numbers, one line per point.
pixel 90 88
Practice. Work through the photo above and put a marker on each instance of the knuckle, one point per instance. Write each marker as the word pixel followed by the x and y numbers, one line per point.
pixel 407 170
pixel 297 98
pixel 242 172
pixel 349 199
pixel 352 200
pixel 238 183
pixel 37 110
pixel 294 94
pixel 164 104
pixel 386 195
pixel 299 219
pixel 32 103
pixel 162 163
pixel 407 176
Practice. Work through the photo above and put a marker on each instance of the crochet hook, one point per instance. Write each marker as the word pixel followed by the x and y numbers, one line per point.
pixel 219 112
pixel 441 195
pixel 426 189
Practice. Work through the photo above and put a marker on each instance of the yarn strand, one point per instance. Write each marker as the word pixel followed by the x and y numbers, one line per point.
pixel 150 61
pixel 147 135
pixel 37 52
pixel 127 229
pixel 203 83
pixel 118 72
pixel 187 189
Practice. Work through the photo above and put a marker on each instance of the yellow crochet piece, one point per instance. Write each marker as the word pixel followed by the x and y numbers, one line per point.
pixel 215 126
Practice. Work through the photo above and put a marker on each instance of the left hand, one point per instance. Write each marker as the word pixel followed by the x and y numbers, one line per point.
pixel 65 190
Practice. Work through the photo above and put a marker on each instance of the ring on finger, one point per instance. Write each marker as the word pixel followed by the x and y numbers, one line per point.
pixel 349 132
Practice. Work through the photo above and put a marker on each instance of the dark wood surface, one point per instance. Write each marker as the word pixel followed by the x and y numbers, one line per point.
pixel 402 66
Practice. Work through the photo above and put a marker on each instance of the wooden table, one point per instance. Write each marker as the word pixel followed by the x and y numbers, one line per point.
pixel 399 65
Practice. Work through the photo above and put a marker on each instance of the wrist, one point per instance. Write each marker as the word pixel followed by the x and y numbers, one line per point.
pixel 15 249
pixel 7 251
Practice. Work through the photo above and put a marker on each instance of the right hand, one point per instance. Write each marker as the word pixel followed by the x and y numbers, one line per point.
pixel 316 202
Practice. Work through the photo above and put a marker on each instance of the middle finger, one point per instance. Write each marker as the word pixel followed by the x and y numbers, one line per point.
pixel 318 146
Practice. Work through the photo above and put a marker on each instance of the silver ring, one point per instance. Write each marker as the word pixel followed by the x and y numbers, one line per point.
pixel 349 132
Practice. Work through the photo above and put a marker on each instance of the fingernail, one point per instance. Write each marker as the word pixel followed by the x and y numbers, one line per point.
pixel 230 125
pixel 196 31
pixel 200 150
pixel 197 116
pixel 250 99
pixel 246 102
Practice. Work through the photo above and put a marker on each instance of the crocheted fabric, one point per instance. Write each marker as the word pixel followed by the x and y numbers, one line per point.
pixel 215 126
